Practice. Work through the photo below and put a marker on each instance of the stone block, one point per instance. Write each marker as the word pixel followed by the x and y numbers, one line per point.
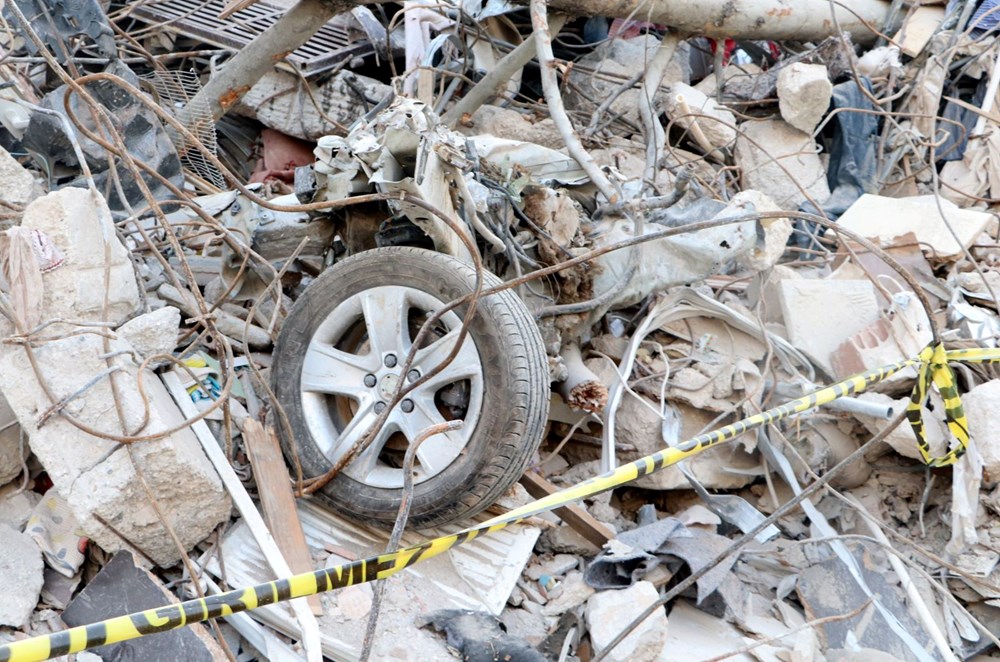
pixel 884 219
pixel 982 407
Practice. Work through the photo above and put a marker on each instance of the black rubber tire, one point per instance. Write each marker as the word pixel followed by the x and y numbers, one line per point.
pixel 515 387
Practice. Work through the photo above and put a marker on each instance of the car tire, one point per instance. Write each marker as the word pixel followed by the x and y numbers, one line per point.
pixel 321 349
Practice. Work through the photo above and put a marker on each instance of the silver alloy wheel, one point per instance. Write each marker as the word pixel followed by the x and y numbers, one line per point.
pixel 351 370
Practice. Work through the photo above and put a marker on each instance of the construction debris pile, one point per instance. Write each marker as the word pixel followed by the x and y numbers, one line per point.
pixel 229 235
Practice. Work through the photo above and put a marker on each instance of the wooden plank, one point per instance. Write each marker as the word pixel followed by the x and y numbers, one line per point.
pixel 579 519
pixel 278 501
pixel 251 516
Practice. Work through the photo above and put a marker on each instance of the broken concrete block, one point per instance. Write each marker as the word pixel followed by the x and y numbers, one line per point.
pixel 821 314
pixel 982 407
pixel 782 162
pixel 617 60
pixel 152 333
pixel 804 93
pixel 609 612
pixel 771 246
pixel 570 594
pixel 13 445
pixel 640 426
pixel 122 588
pixel 902 336
pixel 684 104
pixel 883 219
pixel 78 223
pixel 278 102
pixel 16 506
pixel 918 28
pixel 511 125
pixel 902 439
pixel 96 476
pixel 20 575
pixel 19 185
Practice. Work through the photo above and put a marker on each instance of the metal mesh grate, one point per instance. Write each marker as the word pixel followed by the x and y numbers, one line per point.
pixel 200 20
pixel 175 90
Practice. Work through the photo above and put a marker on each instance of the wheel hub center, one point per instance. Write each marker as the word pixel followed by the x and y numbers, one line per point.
pixel 387 387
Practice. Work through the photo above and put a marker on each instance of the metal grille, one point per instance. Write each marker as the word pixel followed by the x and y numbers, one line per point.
pixel 200 20
pixel 175 90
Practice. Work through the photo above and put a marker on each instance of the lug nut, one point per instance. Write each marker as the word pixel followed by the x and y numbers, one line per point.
pixel 407 406
pixel 370 381
pixel 413 375
pixel 379 407
pixel 390 360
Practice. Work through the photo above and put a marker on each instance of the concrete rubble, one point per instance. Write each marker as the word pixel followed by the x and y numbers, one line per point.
pixel 222 276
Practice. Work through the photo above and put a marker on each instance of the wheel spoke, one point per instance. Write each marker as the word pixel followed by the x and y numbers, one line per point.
pixel 438 451
pixel 326 369
pixel 354 431
pixel 465 365
pixel 385 311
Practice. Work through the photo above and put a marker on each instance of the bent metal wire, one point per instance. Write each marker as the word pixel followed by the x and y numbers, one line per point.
pixel 932 369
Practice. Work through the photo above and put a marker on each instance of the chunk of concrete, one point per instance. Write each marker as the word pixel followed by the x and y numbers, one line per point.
pixel 906 331
pixel 640 426
pixel 16 506
pixel 277 102
pixel 821 314
pixel 152 333
pixel 122 588
pixel 78 223
pixel 610 612
pixel 883 219
pixel 96 476
pixel 13 446
pixel 19 185
pixel 902 439
pixel 21 575
pixel 570 594
pixel 982 407
pixel 804 93
pixel 684 104
pixel 618 60
pixel 782 162
pixel 512 125
pixel 772 242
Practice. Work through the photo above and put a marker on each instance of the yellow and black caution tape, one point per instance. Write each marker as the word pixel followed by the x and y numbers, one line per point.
pixel 932 369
